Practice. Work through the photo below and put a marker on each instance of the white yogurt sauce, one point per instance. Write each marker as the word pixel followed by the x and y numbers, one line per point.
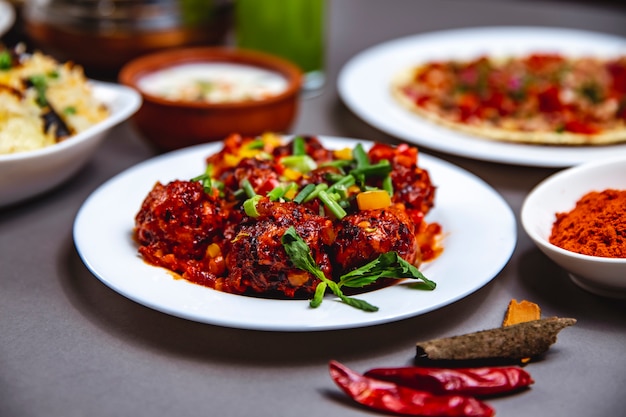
pixel 213 83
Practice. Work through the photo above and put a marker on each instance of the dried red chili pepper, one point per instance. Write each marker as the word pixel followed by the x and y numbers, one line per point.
pixel 464 381
pixel 391 397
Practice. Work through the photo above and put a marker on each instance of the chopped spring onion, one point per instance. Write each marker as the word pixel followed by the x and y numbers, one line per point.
pixel 340 164
pixel 240 194
pixel 379 169
pixel 333 177
pixel 249 206
pixel 331 204
pixel 316 191
pixel 304 193
pixel 299 146
pixel 388 185
pixel 360 156
pixel 247 187
pixel 277 192
pixel 205 178
pixel 343 183
pixel 300 163
pixel 280 191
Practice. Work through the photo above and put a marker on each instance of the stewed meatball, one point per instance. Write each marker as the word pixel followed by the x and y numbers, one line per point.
pixel 362 236
pixel 257 261
pixel 178 218
pixel 412 184
pixel 174 227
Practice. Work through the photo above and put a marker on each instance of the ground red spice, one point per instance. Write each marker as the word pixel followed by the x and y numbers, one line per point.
pixel 596 226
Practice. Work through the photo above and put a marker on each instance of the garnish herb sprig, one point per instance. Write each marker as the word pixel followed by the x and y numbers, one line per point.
pixel 387 265
pixel 300 255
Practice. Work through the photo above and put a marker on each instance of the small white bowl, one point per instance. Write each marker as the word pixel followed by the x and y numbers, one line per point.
pixel 559 193
pixel 24 175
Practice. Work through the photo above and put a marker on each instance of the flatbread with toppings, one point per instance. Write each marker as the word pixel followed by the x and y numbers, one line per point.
pixel 539 98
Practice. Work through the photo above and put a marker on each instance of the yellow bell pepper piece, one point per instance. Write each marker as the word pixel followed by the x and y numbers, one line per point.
pixel 231 160
pixel 292 174
pixel 213 250
pixel 372 200
pixel 272 140
pixel 345 154
pixel 291 193
pixel 248 153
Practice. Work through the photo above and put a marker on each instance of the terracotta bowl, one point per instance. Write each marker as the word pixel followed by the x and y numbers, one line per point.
pixel 170 125
pixel 558 194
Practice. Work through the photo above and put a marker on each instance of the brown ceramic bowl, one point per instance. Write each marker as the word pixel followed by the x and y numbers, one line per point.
pixel 169 124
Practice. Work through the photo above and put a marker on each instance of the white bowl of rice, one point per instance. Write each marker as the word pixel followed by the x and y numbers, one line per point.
pixel 35 155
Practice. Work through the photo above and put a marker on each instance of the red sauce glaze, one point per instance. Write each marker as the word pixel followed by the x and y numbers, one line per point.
pixel 201 232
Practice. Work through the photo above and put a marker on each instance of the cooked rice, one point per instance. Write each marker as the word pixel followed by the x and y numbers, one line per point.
pixel 67 91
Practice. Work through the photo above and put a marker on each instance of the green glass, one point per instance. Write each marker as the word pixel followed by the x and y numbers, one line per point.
pixel 292 29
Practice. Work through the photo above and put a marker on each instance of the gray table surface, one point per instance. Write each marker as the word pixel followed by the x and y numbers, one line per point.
pixel 70 346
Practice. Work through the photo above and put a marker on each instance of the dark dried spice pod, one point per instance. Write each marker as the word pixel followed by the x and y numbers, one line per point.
pixel 523 340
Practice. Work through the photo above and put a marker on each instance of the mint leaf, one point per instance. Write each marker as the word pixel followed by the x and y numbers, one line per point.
pixel 360 304
pixel 300 255
pixel 387 265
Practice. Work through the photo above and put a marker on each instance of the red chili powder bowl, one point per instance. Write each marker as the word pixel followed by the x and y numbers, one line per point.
pixel 596 226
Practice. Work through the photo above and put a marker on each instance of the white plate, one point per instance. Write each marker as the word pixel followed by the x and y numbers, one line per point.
pixel 480 235
pixel 364 85
pixel 7 17
pixel 26 174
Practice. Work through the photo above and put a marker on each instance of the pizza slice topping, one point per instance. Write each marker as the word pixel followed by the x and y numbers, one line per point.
pixel 547 93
